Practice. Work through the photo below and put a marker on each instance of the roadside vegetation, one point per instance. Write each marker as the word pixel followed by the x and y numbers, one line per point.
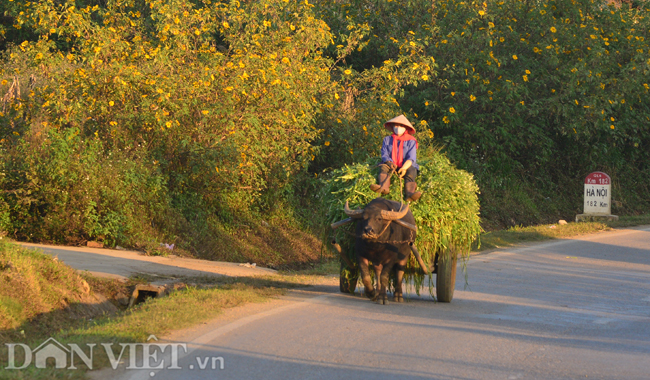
pixel 41 297
pixel 519 234
pixel 34 285
pixel 211 125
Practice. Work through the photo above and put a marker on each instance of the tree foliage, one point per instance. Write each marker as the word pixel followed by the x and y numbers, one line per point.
pixel 529 96
pixel 545 92
pixel 195 112
pixel 218 98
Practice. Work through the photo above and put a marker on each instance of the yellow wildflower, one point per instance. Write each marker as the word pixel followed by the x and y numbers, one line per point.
pixel 472 98
pixel 514 56
pixel 553 30
pixel 452 110
pixel 327 143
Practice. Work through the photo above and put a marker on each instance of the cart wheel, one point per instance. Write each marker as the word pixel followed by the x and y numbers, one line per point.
pixel 348 279
pixel 446 276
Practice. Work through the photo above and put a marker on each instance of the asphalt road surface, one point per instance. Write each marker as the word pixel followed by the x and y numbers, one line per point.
pixel 567 309
pixel 121 264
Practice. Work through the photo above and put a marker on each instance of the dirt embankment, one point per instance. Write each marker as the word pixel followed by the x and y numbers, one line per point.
pixel 41 292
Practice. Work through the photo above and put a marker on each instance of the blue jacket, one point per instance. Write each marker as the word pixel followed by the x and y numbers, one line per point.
pixel 409 150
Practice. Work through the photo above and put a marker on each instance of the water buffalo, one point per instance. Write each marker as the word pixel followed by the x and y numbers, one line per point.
pixel 385 232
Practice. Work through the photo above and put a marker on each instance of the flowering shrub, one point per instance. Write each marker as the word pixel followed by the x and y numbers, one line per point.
pixel 528 96
pixel 221 106
pixel 542 91
pixel 218 98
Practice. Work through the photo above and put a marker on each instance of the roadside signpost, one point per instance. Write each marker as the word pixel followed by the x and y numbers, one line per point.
pixel 597 198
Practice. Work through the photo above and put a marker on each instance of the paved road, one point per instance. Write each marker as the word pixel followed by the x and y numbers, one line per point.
pixel 568 309
pixel 121 264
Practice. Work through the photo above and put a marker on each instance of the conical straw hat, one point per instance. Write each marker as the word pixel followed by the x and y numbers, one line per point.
pixel 401 120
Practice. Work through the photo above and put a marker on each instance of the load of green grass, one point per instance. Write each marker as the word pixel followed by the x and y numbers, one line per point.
pixel 447 214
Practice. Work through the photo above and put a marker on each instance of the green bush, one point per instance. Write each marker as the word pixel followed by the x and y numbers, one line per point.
pixel 538 95
pixel 129 120
pixel 447 214
pixel 60 188
pixel 528 96
pixel 222 108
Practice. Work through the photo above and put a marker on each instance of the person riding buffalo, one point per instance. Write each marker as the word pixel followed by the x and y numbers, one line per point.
pixel 399 152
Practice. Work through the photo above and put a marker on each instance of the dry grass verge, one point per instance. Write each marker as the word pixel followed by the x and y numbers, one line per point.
pixel 517 235
pixel 41 297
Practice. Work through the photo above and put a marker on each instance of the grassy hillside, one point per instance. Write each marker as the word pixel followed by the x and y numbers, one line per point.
pixel 35 286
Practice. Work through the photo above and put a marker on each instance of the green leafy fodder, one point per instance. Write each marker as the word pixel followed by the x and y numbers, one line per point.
pixel 447 214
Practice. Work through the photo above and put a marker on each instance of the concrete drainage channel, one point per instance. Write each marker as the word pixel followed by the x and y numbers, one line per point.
pixel 142 292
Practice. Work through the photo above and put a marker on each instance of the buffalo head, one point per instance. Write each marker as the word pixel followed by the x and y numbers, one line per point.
pixel 385 232
pixel 375 219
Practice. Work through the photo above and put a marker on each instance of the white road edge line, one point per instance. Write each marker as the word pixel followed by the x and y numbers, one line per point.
pixel 202 340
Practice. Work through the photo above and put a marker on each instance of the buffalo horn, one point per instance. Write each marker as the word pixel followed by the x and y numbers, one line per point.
pixel 394 215
pixel 341 223
pixel 352 213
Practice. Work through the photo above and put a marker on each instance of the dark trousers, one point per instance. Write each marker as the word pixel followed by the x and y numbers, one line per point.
pixel 411 173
